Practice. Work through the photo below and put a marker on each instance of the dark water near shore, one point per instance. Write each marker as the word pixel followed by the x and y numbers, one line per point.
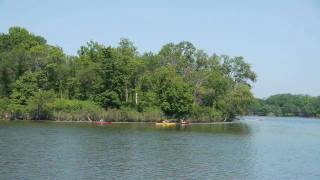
pixel 255 148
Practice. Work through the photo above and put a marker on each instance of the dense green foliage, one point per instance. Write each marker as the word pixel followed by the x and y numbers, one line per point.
pixel 287 105
pixel 38 81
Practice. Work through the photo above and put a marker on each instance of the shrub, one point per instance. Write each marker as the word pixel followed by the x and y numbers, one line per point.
pixel 205 114
pixel 75 110
pixel 39 105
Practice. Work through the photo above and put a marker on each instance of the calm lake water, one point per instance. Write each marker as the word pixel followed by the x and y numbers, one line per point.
pixel 254 148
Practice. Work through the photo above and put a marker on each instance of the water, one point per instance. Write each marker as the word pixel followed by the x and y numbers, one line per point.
pixel 255 148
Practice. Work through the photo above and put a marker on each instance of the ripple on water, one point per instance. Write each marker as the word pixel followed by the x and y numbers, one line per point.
pixel 253 150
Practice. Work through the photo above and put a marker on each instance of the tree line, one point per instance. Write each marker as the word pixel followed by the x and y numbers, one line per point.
pixel 287 105
pixel 39 81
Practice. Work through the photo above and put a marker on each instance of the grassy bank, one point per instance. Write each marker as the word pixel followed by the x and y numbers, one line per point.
pixel 74 110
pixel 56 109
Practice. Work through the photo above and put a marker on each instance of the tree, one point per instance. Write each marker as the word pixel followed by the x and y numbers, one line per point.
pixel 180 79
pixel 26 86
pixel 39 104
pixel 19 38
pixel 175 96
pixel 289 105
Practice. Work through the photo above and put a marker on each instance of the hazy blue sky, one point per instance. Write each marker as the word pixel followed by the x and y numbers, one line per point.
pixel 279 38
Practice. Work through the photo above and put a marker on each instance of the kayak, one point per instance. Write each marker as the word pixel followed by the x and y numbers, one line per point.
pixel 103 123
pixel 166 124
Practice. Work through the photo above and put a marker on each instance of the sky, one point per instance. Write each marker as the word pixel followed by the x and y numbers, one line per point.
pixel 280 39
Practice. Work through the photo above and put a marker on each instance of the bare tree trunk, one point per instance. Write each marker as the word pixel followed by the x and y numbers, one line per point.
pixel 136 99
pixel 60 89
pixel 127 95
pixel 88 116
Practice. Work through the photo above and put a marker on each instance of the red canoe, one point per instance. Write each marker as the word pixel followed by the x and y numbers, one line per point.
pixel 102 123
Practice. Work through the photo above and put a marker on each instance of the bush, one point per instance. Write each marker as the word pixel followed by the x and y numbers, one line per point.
pixel 131 115
pixel 4 108
pixel 75 110
pixel 39 105
pixel 43 106
pixel 205 114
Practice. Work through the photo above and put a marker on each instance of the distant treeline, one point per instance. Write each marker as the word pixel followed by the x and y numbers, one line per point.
pixel 287 105
pixel 39 81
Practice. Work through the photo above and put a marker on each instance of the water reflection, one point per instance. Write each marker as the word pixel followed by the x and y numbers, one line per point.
pixel 227 128
pixel 231 128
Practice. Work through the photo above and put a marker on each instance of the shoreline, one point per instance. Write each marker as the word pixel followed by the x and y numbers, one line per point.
pixel 126 122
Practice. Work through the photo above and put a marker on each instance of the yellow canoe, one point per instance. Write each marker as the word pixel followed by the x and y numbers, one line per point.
pixel 166 124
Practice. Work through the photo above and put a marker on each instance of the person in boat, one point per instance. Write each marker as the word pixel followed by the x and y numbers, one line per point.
pixel 183 121
pixel 165 121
